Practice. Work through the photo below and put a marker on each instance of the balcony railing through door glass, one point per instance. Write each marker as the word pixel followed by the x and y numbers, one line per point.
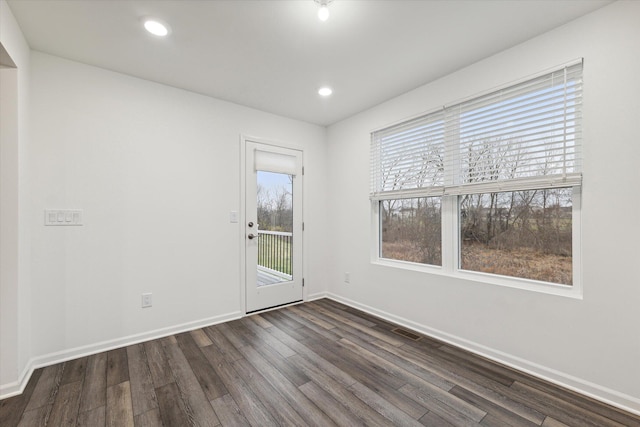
pixel 274 257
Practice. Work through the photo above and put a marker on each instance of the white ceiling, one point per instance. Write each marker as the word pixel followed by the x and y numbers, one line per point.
pixel 274 55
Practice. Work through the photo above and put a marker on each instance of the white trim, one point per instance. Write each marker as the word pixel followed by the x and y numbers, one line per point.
pixel 243 221
pixel 576 236
pixel 274 143
pixel 374 246
pixel 17 387
pixel 449 227
pixel 485 278
pixel 278 307
pixel 612 397
pixel 603 394
pixel 451 251
pixel 316 296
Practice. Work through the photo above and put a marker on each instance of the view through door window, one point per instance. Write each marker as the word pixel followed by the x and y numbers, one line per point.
pixel 275 227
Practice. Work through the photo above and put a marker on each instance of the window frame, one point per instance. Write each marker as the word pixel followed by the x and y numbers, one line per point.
pixel 451 245
pixel 451 250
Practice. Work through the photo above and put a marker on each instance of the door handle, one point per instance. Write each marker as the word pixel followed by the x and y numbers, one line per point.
pixel 252 236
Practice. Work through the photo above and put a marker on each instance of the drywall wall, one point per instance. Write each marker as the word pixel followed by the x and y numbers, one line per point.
pixel 156 171
pixel 591 344
pixel 9 241
pixel 14 190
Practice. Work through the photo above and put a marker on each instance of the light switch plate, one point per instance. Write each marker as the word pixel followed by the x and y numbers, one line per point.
pixel 233 217
pixel 147 300
pixel 63 217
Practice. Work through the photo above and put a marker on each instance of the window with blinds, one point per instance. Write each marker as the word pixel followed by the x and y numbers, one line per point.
pixel 523 136
pixel 487 185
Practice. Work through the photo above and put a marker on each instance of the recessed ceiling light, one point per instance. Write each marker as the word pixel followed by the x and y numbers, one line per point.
pixel 156 27
pixel 323 10
pixel 323 13
pixel 325 91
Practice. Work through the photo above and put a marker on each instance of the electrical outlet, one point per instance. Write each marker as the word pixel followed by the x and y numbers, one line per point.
pixel 146 300
pixel 347 278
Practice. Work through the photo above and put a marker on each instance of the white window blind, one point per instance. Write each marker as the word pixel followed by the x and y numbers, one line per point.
pixel 274 162
pixel 525 136
pixel 408 158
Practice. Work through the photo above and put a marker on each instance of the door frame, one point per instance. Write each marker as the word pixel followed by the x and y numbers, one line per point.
pixel 244 139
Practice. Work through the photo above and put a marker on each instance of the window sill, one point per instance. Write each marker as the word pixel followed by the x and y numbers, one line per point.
pixel 574 291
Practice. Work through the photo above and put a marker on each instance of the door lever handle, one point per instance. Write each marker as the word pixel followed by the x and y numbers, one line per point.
pixel 252 236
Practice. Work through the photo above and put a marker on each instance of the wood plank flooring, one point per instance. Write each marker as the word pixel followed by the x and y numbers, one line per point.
pixel 314 364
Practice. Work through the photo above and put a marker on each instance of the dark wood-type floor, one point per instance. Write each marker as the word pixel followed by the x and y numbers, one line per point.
pixel 318 363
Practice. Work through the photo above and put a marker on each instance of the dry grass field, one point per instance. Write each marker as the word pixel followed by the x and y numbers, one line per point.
pixel 521 262
pixel 406 250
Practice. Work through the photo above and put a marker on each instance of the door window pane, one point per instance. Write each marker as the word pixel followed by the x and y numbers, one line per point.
pixel 275 227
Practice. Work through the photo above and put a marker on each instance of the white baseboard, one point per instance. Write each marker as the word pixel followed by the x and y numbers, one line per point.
pixel 604 394
pixel 317 295
pixel 587 388
pixel 17 387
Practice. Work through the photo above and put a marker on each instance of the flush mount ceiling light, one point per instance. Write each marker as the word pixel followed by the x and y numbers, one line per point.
pixel 325 91
pixel 323 11
pixel 156 27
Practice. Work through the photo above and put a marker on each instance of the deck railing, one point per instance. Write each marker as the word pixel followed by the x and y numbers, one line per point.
pixel 274 250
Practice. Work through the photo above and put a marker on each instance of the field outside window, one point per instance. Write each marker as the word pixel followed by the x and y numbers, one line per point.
pixel 525 234
pixel 411 230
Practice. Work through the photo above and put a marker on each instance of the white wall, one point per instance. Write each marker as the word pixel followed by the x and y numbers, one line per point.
pixel 591 344
pixel 156 171
pixel 14 190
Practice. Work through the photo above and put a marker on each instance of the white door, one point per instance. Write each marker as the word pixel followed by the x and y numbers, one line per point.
pixel 273 226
